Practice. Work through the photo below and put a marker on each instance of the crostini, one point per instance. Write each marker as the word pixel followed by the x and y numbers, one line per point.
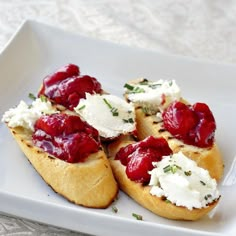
pixel 65 151
pixel 162 112
pixel 168 184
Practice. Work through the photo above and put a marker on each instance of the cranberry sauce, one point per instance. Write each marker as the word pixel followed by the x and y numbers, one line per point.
pixel 138 157
pixel 194 124
pixel 66 137
pixel 67 86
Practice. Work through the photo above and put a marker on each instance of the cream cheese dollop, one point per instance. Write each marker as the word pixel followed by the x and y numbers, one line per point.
pixel 25 115
pixel 153 96
pixel 109 114
pixel 182 182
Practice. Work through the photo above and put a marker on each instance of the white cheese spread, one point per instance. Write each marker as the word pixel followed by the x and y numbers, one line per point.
pixel 182 182
pixel 25 115
pixel 109 114
pixel 153 96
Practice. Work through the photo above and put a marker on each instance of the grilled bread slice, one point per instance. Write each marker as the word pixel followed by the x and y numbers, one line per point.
pixel 141 193
pixel 89 183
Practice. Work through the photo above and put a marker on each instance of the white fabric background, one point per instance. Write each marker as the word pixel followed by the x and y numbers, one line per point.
pixel 203 29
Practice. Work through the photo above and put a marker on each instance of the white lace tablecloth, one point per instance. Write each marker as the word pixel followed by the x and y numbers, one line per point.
pixel 203 29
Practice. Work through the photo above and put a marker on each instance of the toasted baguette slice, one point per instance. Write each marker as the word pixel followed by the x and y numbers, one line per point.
pixel 141 194
pixel 148 125
pixel 90 183
pixel 207 158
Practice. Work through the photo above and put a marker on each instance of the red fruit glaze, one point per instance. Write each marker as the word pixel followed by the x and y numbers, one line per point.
pixel 138 157
pixel 194 124
pixel 66 86
pixel 66 137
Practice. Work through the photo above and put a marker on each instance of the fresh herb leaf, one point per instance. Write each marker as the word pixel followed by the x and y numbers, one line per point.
pixel 114 209
pixel 203 183
pixel 171 168
pixel 107 103
pixel 167 201
pixel 188 173
pixel 167 169
pixel 43 98
pixel 207 196
pixel 174 168
pixel 153 86
pixel 138 90
pixel 113 110
pixel 129 87
pixel 32 96
pixel 138 217
pixel 130 120
pixel 81 108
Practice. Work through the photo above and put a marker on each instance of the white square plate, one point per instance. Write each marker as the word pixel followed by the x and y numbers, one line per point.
pixel 37 50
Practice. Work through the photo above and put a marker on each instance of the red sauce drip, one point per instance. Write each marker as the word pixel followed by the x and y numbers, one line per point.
pixel 65 136
pixel 66 86
pixel 194 124
pixel 138 157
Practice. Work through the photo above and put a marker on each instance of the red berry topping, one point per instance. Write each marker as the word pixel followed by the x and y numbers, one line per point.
pixel 66 86
pixel 194 124
pixel 61 74
pixel 179 119
pixel 140 163
pixel 66 137
pixel 139 157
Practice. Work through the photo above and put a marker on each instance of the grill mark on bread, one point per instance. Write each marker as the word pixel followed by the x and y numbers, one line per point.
pixel 161 130
pixel 170 137
pixel 156 122
pixel 29 145
pixel 181 145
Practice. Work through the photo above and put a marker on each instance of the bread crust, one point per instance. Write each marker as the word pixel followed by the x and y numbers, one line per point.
pixel 90 183
pixel 207 158
pixel 141 194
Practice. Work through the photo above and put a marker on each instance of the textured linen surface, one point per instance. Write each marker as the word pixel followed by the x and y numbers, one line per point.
pixel 202 29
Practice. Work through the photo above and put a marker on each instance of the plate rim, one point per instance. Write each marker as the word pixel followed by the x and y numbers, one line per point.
pixel 4 194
